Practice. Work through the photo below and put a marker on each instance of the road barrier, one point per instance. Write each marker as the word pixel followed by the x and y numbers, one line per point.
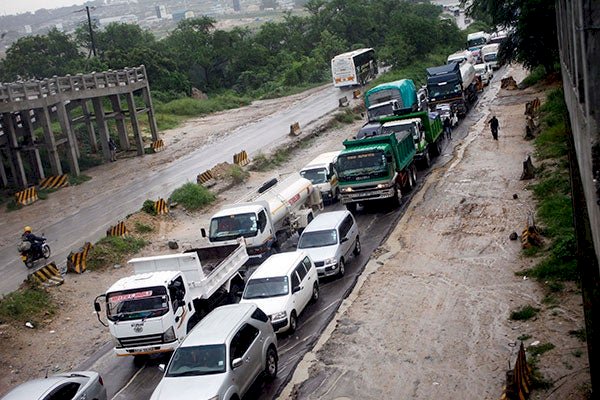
pixel 530 236
pixel 117 230
pixel 356 94
pixel 205 177
pixel 518 379
pixel 343 102
pixel 157 146
pixel 295 129
pixel 54 182
pixel 241 158
pixel 532 107
pixel 48 275
pixel 27 196
pixel 160 207
pixel 528 169
pixel 76 261
pixel 508 83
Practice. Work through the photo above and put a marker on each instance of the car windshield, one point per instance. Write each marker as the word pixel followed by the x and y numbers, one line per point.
pixel 490 57
pixel 261 288
pixel 361 163
pixel 317 175
pixel 137 304
pixel 197 360
pixel 476 42
pixel 318 239
pixel 233 226
pixel 437 90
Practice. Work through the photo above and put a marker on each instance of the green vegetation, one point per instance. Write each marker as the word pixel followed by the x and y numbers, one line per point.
pixel 262 162
pixel 524 337
pixel 237 174
pixel 192 196
pixel 113 250
pixel 143 228
pixel 540 349
pixel 524 313
pixel 579 334
pixel 12 205
pixel 536 75
pixel 29 304
pixel 43 194
pixel 553 195
pixel 346 117
pixel 188 107
pixel 148 207
pixel 78 180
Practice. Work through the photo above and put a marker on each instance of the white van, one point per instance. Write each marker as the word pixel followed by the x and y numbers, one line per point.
pixel 489 55
pixel 321 173
pixel 329 240
pixel 460 57
pixel 282 287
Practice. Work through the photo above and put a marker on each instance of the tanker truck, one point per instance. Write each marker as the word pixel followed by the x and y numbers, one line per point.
pixel 269 217
pixel 391 98
pixel 452 84
pixel 154 309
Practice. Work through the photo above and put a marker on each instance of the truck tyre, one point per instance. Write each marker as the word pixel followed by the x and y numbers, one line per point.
pixel 351 207
pixel 271 363
pixel 140 360
pixel 341 268
pixel 293 322
pixel 357 247
pixel 315 293
pixel 397 199
pixel 427 159
pixel 413 171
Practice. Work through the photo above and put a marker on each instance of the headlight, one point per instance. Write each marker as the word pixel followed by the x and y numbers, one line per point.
pixel 347 190
pixel 278 316
pixel 384 186
pixel 330 261
pixel 169 335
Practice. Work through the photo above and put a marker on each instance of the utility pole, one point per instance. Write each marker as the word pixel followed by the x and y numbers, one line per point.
pixel 87 10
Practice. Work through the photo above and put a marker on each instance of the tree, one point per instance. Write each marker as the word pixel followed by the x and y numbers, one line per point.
pixel 532 24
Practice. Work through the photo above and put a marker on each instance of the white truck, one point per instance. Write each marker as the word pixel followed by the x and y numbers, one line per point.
pixel 154 309
pixel 269 217
pixel 321 173
pixel 489 54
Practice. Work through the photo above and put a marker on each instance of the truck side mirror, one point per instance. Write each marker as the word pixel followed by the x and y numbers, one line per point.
pixel 97 307
pixel 203 232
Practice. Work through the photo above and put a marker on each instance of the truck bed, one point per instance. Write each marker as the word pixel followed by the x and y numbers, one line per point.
pixel 211 257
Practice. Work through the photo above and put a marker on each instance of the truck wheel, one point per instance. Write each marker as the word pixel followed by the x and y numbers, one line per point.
pixel 315 293
pixel 427 159
pixel 413 172
pixel 357 247
pixel 341 268
pixel 397 199
pixel 351 207
pixel 271 363
pixel 293 322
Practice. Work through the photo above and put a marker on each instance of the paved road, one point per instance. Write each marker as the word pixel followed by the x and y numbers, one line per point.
pixel 89 223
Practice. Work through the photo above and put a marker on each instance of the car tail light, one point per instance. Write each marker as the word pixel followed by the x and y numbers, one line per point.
pixel 100 380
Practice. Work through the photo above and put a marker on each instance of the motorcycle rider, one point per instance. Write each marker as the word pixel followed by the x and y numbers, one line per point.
pixel 36 241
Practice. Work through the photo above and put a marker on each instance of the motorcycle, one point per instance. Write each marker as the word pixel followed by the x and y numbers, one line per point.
pixel 30 253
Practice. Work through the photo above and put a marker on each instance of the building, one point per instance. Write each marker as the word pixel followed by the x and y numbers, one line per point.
pixel 161 11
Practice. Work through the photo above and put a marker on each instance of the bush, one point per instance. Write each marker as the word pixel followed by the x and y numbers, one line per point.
pixel 189 107
pixel 148 207
pixel 113 250
pixel 143 228
pixel 12 205
pixel 524 313
pixel 346 117
pixel 26 304
pixel 535 75
pixel 192 196
pixel 237 174
pixel 78 180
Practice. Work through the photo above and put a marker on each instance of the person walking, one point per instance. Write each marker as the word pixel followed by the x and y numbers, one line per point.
pixel 448 127
pixel 494 127
pixel 112 146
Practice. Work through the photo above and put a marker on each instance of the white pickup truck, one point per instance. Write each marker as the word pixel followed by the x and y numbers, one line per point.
pixel 154 309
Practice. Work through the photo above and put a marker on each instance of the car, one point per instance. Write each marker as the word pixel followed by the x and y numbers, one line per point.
pixel 283 286
pixel 484 70
pixel 321 173
pixel 221 357
pixel 329 240
pixel 74 385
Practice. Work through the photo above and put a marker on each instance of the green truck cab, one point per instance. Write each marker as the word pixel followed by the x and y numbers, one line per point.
pixel 426 132
pixel 376 167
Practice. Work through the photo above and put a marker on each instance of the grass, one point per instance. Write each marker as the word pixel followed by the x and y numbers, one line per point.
pixel 579 334
pixel 536 75
pixel 148 207
pixel 143 228
pixel 346 117
pixel 524 337
pixel 262 162
pixel 188 107
pixel 28 304
pixel 553 196
pixel 78 180
pixel 192 196
pixel 237 174
pixel 112 250
pixel 12 205
pixel 524 313
pixel 536 351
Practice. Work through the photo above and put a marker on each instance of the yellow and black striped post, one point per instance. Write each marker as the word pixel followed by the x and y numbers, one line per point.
pixel 117 230
pixel 204 177
pixel 48 275
pixel 241 158
pixel 54 182
pixel 76 261
pixel 157 145
pixel 295 129
pixel 160 207
pixel 27 196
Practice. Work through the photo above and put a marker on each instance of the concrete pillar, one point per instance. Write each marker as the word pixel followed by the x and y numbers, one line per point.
pixel 150 108
pixel 44 117
pixel 115 100
pixel 19 170
pixel 72 148
pixel 89 126
pixel 36 159
pixel 102 127
pixel 3 176
pixel 137 134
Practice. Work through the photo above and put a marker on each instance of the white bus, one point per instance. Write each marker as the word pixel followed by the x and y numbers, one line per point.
pixel 354 67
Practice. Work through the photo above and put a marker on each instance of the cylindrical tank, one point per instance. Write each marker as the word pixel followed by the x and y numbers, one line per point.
pixel 288 196
pixel 467 72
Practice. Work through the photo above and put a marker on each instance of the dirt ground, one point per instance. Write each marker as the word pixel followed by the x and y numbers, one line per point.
pixel 429 318
pixel 442 286
pixel 62 341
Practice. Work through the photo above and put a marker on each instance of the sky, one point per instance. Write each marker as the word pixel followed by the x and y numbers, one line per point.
pixel 19 6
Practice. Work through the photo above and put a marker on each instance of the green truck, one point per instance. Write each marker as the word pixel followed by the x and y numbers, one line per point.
pixel 376 167
pixel 426 130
